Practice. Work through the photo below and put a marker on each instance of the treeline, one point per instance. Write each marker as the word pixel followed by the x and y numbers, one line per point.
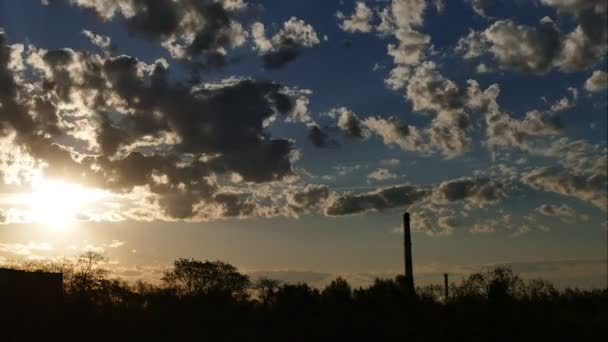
pixel 213 301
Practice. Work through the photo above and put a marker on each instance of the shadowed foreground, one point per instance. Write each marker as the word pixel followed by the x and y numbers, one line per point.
pixel 212 301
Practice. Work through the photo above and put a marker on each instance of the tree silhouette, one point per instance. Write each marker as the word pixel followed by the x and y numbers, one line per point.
pixel 266 289
pixel 338 292
pixel 192 277
pixel 208 301
pixel 498 284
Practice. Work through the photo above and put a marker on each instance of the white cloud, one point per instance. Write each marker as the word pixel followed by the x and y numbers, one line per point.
pixel 598 81
pixel 381 175
pixel 115 244
pixel 360 21
pixel 98 40
pixel 25 249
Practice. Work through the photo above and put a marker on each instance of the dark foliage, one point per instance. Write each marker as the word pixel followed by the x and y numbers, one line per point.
pixel 212 301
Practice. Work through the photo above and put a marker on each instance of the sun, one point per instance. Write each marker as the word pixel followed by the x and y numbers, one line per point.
pixel 59 204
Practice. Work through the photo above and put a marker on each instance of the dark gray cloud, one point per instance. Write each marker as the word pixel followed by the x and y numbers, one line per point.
pixel 309 198
pixel 130 126
pixel 319 138
pixel 541 48
pixel 188 29
pixel 33 132
pixel 587 187
pixel 387 198
pixel 524 48
pixel 475 191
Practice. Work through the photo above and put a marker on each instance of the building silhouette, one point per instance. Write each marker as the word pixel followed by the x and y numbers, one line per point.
pixel 31 305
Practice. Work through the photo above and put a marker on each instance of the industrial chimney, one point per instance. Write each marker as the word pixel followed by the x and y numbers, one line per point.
pixel 407 248
pixel 446 286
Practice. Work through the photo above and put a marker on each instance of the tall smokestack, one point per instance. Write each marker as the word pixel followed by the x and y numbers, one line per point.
pixel 446 286
pixel 407 248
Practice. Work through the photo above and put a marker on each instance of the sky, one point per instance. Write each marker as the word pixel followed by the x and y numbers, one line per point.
pixel 288 137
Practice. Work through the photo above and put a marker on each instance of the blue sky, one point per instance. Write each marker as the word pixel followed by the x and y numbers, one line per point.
pixel 485 119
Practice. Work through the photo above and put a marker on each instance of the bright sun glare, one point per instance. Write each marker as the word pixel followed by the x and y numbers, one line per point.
pixel 58 204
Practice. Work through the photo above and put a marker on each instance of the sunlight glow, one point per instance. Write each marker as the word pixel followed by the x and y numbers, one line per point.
pixel 58 204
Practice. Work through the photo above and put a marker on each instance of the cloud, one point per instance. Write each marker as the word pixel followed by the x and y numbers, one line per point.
pixel 472 45
pixel 348 122
pixel 311 197
pixel 563 212
pixel 189 30
pixel 393 132
pixel 399 19
pixel 477 192
pixel 286 44
pixel 483 69
pixel 319 138
pixel 539 49
pixel 115 244
pixel 480 6
pixel 587 43
pixel 522 47
pixel 360 21
pixel 440 5
pixel 429 91
pixel 579 156
pixel 182 134
pixel 562 105
pixel 411 47
pixel 382 199
pixel 589 188
pixel 433 94
pixel 422 222
pixel 407 13
pixel 25 249
pixel 343 170
pixel 299 112
pixel 447 223
pixel 381 175
pixel 503 130
pixel 483 228
pixel 98 40
pixel 598 81
pixel 504 224
pixel 451 127
pixel 390 162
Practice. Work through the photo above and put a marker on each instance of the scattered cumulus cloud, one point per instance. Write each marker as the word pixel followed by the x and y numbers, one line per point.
pixel 598 81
